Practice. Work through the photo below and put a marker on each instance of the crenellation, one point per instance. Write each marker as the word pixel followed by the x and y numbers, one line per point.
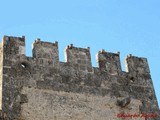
pixel 79 58
pixel 136 64
pixel 45 49
pixel 46 53
pixel 109 62
pixel 41 86
pixel 14 45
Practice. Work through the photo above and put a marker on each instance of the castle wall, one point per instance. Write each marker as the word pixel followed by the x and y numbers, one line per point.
pixel 141 85
pixel 41 87
pixel 53 105
pixel 12 98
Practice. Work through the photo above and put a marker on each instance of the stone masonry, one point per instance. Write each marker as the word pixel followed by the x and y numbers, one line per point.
pixel 43 88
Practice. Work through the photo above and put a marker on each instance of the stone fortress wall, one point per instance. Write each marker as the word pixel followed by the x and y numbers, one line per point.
pixel 43 88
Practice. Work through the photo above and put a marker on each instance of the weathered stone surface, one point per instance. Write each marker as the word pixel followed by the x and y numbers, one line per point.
pixel 43 88
pixel 123 101
pixel 72 106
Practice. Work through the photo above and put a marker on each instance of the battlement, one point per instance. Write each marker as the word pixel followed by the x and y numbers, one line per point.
pixel 137 64
pixel 79 58
pixel 46 50
pixel 109 62
pixel 41 86
pixel 47 54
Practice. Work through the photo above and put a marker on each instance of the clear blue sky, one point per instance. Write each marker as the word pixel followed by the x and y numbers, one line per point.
pixel 128 26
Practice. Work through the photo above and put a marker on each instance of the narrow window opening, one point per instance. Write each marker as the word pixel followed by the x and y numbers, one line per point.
pixel 23 65
pixel 132 79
